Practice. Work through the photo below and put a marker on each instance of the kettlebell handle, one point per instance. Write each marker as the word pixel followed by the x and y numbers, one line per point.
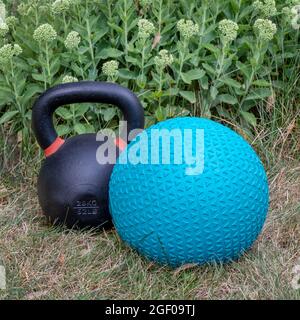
pixel 82 92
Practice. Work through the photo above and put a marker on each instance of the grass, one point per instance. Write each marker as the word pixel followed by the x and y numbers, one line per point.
pixel 43 262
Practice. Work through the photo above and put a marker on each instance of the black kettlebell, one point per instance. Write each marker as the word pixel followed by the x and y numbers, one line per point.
pixel 72 185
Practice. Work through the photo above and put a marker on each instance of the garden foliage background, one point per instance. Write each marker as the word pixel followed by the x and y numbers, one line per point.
pixel 236 61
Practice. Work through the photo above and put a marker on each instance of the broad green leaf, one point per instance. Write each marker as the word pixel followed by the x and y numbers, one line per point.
pixel 109 53
pixel 262 83
pixel 79 128
pixel 55 66
pixel 189 96
pixel 126 74
pixel 89 128
pixel 235 6
pixel 115 27
pixel 63 130
pixel 133 24
pixel 38 77
pixel 160 114
pixel 244 69
pixel 212 48
pixel 133 60
pixel 167 28
pixel 81 109
pixel 108 113
pixel 93 73
pixel 100 34
pixel 31 91
pixel 209 68
pixel 231 83
pixel 248 105
pixel 8 116
pixel 83 50
pixel 191 75
pixel 141 81
pixel 5 97
pixel 204 83
pixel 227 98
pixel 250 118
pixel 213 92
pixel 76 69
pixel 170 92
pixel 64 113
pixel 259 94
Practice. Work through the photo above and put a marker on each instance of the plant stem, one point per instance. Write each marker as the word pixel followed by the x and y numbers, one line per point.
pixel 160 85
pixel 216 13
pixel 14 87
pixel 125 28
pixel 73 115
pixel 80 64
pixel 221 61
pixel 181 64
pixel 48 64
pixel 253 72
pixel 36 17
pixel 110 20
pixel 65 23
pixel 91 44
pixel 203 25
pixel 160 17
pixel 182 59
pixel 238 12
pixel 143 59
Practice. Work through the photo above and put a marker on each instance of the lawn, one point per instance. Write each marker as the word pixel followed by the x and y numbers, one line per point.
pixel 44 262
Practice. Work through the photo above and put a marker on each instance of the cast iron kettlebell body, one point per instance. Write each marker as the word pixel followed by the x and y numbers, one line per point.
pixel 72 184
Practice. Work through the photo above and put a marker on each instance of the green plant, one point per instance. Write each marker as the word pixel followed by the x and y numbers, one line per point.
pixel 219 59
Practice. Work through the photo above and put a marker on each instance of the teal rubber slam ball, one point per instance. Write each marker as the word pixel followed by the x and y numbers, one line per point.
pixel 173 214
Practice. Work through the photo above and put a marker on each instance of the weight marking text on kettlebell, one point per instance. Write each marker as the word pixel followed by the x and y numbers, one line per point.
pixel 86 208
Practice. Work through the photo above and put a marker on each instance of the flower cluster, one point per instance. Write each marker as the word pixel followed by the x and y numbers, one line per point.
pixel 45 33
pixel 164 59
pixel 3 29
pixel 61 6
pixel 69 79
pixel 11 21
pixel 229 30
pixel 146 28
pixel 287 13
pixel 265 29
pixel 267 8
pixel 44 9
pixel 187 28
pixel 23 9
pixel 291 13
pixel 110 68
pixel 17 50
pixel 72 41
pixel 8 51
pixel 295 12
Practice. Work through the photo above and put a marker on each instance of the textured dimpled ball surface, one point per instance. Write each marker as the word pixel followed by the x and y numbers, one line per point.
pixel 173 218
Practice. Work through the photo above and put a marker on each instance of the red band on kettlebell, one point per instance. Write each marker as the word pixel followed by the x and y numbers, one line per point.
pixel 54 147
pixel 121 144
